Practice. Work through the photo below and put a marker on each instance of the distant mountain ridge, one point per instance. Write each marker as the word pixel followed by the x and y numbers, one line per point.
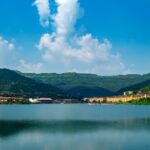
pixel 88 85
pixel 68 85
pixel 14 84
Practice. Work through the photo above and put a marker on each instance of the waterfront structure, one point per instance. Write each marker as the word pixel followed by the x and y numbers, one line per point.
pixel 7 99
pixel 127 93
pixel 44 100
pixel 40 100
pixel 31 100
pixel 118 99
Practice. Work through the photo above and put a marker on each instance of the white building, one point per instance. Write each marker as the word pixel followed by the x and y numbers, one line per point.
pixel 31 100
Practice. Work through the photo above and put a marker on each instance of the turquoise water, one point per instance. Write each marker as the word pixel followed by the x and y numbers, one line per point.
pixel 74 127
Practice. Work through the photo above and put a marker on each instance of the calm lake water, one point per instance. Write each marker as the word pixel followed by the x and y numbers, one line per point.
pixel 74 127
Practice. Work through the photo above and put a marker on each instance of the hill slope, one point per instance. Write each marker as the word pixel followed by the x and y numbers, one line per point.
pixel 89 84
pixel 143 86
pixel 89 91
pixel 13 84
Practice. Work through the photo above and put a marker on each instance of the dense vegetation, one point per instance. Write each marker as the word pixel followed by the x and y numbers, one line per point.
pixel 78 85
pixel 143 86
pixel 84 91
pixel 145 89
pixel 144 101
pixel 88 85
pixel 13 84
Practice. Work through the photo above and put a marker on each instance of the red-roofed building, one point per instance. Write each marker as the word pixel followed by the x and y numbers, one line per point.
pixel 44 100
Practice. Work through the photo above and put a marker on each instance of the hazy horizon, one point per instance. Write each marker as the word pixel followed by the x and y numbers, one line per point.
pixel 76 73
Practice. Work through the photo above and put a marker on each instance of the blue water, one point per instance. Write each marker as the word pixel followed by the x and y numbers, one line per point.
pixel 74 127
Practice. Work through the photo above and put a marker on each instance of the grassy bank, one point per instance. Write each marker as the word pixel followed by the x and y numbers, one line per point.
pixel 144 101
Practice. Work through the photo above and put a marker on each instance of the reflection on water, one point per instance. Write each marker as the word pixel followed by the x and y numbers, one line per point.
pixel 126 128
pixel 9 128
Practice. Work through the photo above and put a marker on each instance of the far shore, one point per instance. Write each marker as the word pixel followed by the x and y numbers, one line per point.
pixel 144 101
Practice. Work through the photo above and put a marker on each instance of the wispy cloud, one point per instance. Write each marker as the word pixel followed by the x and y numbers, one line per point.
pixel 30 67
pixel 43 10
pixel 7 53
pixel 66 16
pixel 82 53
pixel 10 58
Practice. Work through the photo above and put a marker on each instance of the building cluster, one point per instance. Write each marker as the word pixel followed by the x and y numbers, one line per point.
pixel 4 100
pixel 40 100
pixel 54 101
pixel 16 99
pixel 119 99
pixel 8 99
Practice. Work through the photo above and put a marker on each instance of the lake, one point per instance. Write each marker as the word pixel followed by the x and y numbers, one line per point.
pixel 74 127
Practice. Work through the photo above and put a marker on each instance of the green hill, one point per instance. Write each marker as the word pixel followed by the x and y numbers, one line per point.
pixel 83 91
pixel 13 84
pixel 143 86
pixel 78 85
pixel 89 84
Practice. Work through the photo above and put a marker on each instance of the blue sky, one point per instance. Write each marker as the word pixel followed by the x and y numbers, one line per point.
pixel 82 40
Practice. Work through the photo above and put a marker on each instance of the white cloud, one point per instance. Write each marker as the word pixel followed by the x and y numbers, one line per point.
pixel 43 10
pixel 7 53
pixel 65 19
pixel 83 53
pixel 9 58
pixel 30 67
pixel 85 48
